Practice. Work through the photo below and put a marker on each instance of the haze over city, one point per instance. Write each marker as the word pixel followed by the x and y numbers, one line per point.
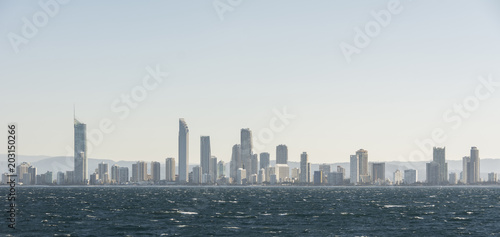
pixel 240 72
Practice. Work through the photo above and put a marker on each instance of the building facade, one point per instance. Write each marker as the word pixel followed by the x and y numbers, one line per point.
pixel 80 155
pixel 354 169
pixel 183 151
pixel 205 155
pixel 170 169
pixel 304 171
pixel 282 154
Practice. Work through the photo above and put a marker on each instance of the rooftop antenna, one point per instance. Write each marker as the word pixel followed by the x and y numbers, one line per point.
pixel 74 113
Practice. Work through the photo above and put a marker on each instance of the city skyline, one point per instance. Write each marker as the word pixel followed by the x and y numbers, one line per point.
pixel 249 171
pixel 80 144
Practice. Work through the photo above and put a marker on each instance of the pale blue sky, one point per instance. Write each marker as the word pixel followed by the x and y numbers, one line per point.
pixel 231 74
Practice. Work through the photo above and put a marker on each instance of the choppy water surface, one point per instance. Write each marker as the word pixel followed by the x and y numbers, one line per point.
pixel 322 211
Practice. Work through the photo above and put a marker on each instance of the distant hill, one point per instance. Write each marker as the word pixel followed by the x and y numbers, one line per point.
pixel 62 163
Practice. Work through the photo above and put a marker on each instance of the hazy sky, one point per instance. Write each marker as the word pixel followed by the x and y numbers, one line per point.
pixel 264 55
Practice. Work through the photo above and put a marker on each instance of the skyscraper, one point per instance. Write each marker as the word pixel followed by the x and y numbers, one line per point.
pixel 439 156
pixel 183 151
pixel 398 177
pixel 142 171
pixel 135 173
pixel 123 175
pixel 155 171
pixel 432 173
pixel 235 161
pixel 363 162
pixel 264 160
pixel 411 176
pixel 22 169
pixel 492 177
pixel 213 169
pixel 103 173
pixel 354 169
pixel 170 169
pixel 282 172
pixel 69 178
pixel 308 172
pixel 325 170
pixel 93 178
pixel 471 167
pixel 32 174
pixel 60 178
pixel 453 178
pixel 205 154
pixel 465 170
pixel 255 164
pixel 246 150
pixel 341 170
pixel 378 173
pixel 269 172
pixel 318 177
pixel 295 174
pixel 197 174
pixel 221 168
pixel 282 154
pixel 304 174
pixel 474 165
pixel 335 178
pixel 115 173
pixel 262 176
pixel 80 155
pixel 241 176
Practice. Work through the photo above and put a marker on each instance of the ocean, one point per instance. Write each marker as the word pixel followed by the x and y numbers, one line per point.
pixel 255 211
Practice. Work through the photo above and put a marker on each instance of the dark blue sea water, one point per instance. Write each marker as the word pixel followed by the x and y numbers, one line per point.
pixel 256 211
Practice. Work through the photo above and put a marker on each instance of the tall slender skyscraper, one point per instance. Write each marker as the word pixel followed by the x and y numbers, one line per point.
pixel 282 154
pixel 354 169
pixel 246 150
pixel 213 169
pixel 235 161
pixel 255 164
pixel 264 160
pixel 465 170
pixel 439 156
pixel 170 169
pixel 155 171
pixel 183 151
pixel 33 175
pixel 363 162
pixel 308 172
pixel 474 165
pixel 221 169
pixel 135 173
pixel 80 156
pixel 205 154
